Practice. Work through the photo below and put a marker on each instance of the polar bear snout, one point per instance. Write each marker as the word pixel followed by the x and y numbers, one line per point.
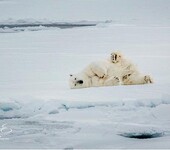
pixel 80 81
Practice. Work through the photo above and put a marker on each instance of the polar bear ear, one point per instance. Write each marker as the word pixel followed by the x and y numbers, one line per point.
pixel 71 75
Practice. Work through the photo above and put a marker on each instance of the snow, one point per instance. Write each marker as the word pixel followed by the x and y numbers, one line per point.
pixel 37 108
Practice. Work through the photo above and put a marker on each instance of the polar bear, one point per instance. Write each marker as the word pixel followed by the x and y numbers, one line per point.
pixel 95 74
pixel 117 70
pixel 130 73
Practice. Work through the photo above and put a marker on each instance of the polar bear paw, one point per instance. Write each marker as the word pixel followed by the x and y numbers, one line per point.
pixel 100 74
pixel 116 57
pixel 116 81
pixel 148 79
pixel 126 77
pixel 112 81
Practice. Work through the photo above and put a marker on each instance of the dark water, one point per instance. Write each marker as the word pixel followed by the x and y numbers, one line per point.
pixel 143 135
pixel 58 25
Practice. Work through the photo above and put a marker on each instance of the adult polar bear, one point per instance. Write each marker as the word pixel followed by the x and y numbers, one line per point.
pixel 95 74
pixel 116 70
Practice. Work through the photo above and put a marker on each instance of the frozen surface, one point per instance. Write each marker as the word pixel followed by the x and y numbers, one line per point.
pixel 37 108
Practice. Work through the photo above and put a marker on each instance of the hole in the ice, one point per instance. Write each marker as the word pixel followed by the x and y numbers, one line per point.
pixel 142 135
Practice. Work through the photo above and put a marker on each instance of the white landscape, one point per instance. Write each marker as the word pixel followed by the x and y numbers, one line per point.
pixel 37 107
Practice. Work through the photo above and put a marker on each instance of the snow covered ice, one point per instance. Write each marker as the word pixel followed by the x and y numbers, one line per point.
pixel 37 108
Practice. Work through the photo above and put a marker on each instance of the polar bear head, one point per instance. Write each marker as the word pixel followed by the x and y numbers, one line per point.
pixel 79 80
pixel 116 57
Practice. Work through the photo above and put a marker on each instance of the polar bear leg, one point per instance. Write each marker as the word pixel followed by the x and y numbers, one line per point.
pixel 99 70
pixel 112 81
pixel 131 79
pixel 96 81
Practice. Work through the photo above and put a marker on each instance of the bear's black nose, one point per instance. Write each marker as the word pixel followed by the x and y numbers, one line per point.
pixel 80 81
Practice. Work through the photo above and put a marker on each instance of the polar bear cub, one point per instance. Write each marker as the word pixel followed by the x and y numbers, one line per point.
pixel 123 63
pixel 95 74
pixel 130 73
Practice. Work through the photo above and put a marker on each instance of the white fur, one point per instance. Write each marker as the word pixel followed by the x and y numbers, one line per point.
pixel 136 78
pixel 114 71
pixel 95 74
pixel 129 71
